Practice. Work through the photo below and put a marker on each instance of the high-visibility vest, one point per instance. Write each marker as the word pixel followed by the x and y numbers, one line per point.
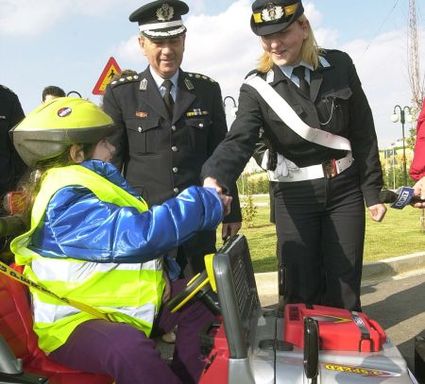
pixel 127 292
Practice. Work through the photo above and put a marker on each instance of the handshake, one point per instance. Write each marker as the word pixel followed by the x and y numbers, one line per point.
pixel 228 229
pixel 209 182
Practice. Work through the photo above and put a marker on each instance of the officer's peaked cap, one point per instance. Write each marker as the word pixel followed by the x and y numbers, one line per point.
pixel 161 19
pixel 271 16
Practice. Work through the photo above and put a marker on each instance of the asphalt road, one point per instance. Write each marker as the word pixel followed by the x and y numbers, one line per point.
pixel 398 305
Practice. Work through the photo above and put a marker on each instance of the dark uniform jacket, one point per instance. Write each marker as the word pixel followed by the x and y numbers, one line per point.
pixel 160 157
pixel 11 165
pixel 337 104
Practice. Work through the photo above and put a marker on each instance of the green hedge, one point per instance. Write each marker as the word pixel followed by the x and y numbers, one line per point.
pixel 253 184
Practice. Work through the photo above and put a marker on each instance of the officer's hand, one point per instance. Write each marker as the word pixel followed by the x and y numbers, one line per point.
pixel 377 211
pixel 230 229
pixel 210 182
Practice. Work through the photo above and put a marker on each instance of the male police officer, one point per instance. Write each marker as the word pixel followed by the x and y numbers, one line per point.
pixel 168 121
pixel 11 165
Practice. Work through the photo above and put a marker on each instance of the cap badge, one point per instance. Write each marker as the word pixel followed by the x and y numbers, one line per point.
pixel 165 12
pixel 272 12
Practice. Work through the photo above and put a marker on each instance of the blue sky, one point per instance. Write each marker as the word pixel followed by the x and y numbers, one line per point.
pixel 68 42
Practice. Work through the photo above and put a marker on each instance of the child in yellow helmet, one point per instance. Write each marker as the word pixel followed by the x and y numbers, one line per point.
pixel 94 240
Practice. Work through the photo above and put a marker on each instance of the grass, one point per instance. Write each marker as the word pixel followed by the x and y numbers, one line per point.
pixel 399 234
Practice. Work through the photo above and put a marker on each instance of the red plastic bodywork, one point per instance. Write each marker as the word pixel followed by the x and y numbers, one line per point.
pixel 337 328
pixel 217 369
pixel 16 329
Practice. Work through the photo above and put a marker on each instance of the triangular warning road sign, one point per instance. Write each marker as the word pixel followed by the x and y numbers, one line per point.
pixel 110 70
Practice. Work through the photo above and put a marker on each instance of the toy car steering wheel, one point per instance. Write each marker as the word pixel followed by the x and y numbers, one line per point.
pixel 200 286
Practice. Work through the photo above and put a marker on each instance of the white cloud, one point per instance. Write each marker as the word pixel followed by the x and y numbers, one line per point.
pixel 223 46
pixel 30 18
pixel 383 70
pixel 129 51
pixel 232 50
pixel 27 17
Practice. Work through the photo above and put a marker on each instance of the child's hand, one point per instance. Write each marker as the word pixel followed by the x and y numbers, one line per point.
pixel 227 202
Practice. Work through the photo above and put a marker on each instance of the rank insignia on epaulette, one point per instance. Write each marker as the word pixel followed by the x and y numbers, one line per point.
pixel 199 76
pixel 141 114
pixel 143 85
pixel 196 112
pixel 2 117
pixel 189 85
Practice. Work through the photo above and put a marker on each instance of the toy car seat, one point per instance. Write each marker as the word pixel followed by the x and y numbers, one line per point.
pixel 16 329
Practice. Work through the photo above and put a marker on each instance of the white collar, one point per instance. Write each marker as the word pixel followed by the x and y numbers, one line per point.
pixel 288 69
pixel 159 80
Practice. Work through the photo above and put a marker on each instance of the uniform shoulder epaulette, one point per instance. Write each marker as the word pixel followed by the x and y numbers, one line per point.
pixel 124 80
pixel 200 76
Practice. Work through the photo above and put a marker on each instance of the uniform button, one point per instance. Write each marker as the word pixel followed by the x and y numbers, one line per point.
pixel 174 148
pixel 175 169
pixel 176 190
pixel 173 128
pixel 201 125
pixel 139 129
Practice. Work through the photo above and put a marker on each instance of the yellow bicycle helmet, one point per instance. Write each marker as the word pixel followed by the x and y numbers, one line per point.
pixel 52 127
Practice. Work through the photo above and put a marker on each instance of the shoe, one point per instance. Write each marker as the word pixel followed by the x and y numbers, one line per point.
pixel 169 338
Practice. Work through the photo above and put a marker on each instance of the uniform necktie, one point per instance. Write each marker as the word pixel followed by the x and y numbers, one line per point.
pixel 304 85
pixel 168 98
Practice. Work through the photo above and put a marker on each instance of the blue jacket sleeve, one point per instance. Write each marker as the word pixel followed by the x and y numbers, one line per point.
pixel 78 225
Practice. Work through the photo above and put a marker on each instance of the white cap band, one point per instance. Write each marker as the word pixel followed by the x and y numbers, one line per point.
pixel 162 25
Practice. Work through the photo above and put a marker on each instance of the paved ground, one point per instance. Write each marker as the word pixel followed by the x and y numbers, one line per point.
pixel 399 306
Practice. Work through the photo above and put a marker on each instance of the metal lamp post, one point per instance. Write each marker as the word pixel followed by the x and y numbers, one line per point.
pixel 229 98
pixel 231 116
pixel 400 114
pixel 393 163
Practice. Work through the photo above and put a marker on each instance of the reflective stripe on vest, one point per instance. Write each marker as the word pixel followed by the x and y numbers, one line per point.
pixel 97 284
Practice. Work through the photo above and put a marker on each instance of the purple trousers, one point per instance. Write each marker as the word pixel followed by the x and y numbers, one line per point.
pixel 129 356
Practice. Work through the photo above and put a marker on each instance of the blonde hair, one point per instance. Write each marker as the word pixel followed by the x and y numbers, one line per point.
pixel 309 50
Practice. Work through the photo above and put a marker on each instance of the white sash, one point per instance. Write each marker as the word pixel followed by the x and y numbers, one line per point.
pixel 293 121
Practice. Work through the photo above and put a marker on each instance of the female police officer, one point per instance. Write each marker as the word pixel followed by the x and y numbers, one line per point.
pixel 313 111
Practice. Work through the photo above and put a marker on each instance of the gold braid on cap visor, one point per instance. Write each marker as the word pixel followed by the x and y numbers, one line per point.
pixel 274 13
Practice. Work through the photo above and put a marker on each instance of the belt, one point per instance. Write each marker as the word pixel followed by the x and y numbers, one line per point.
pixel 328 169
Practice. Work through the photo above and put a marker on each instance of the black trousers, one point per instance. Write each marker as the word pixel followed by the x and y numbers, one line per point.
pixel 320 226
